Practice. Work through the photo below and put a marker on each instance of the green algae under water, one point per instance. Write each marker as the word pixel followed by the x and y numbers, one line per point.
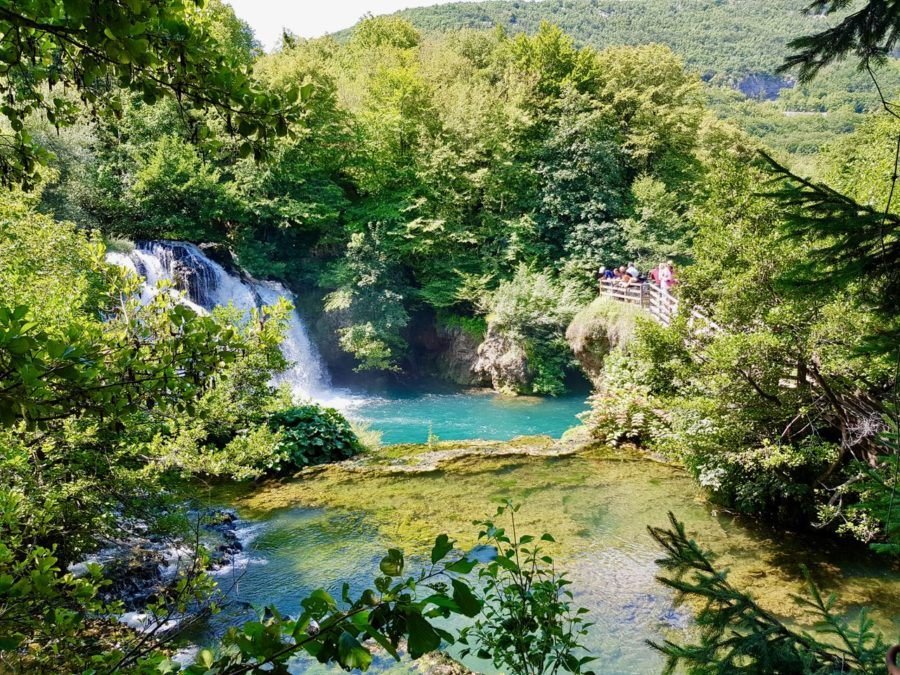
pixel 332 525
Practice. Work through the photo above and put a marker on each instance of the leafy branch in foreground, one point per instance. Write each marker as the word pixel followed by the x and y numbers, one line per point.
pixel 854 246
pixel 524 621
pixel 870 34
pixel 164 48
pixel 336 632
pixel 853 241
pixel 737 635
pixel 528 625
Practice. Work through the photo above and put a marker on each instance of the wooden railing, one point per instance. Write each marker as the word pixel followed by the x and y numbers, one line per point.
pixel 662 305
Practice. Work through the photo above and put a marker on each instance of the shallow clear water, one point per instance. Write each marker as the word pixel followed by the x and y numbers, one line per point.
pixel 408 416
pixel 334 526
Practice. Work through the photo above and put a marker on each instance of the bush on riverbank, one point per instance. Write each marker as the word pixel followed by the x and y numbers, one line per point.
pixel 525 351
pixel 312 434
pixel 760 391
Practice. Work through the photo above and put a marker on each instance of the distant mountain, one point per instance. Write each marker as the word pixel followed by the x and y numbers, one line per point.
pixel 727 40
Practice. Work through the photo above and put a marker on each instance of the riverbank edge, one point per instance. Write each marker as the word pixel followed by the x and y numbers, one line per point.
pixel 412 458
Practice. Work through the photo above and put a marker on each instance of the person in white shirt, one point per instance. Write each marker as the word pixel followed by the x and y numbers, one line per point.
pixel 666 276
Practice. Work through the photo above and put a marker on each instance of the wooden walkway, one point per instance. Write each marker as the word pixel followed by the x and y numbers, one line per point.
pixel 659 303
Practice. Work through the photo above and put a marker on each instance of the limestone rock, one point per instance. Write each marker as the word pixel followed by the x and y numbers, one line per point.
pixel 596 330
pixel 458 357
pixel 504 361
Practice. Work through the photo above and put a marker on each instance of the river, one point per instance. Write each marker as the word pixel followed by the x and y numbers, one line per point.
pixel 335 524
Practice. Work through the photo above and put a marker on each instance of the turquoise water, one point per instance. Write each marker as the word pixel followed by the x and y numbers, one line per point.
pixel 599 510
pixel 332 527
pixel 408 416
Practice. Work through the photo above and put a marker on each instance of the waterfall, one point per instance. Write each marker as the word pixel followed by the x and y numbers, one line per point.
pixel 206 284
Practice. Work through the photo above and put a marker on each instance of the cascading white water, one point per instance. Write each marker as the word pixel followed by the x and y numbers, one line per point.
pixel 307 372
pixel 206 284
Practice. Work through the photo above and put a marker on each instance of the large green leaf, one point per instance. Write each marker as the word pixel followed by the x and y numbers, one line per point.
pixel 352 654
pixel 392 563
pixel 465 598
pixel 442 546
pixel 422 637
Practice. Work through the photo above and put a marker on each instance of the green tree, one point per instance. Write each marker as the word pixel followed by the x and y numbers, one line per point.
pixel 176 195
pixel 659 229
pixel 582 190
pixel 370 301
pixel 153 49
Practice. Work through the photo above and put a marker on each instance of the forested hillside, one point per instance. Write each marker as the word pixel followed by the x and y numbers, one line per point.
pixel 735 44
pixel 721 39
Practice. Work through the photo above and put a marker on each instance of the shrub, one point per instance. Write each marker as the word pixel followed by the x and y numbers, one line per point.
pixel 532 310
pixel 311 434
pixel 548 362
pixel 624 410
pixel 474 326
pixel 772 480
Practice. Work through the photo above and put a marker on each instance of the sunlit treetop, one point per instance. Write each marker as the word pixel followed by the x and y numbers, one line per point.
pixel 98 49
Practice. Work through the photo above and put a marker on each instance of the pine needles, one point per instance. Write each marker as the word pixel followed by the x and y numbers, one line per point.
pixel 736 635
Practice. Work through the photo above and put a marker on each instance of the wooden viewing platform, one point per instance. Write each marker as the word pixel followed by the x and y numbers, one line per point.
pixel 661 305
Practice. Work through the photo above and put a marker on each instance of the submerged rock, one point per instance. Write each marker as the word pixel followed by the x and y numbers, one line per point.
pixel 440 663
pixel 140 568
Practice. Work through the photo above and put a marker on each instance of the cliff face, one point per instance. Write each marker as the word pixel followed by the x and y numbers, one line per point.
pixel 458 357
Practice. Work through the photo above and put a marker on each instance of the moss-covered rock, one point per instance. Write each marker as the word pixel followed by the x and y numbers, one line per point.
pixel 599 328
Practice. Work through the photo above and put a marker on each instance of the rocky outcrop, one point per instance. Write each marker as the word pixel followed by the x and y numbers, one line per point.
pixel 458 357
pixel 140 567
pixel 503 361
pixel 763 86
pixel 596 330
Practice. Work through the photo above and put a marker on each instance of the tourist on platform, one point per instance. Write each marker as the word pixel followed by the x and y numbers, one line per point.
pixel 666 276
pixel 633 271
pixel 673 277
pixel 605 273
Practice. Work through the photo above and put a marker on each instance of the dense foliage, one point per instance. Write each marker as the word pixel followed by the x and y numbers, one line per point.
pixel 738 46
pixel 767 399
pixel 408 181
pixel 311 434
pixel 95 50
pixel 423 173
